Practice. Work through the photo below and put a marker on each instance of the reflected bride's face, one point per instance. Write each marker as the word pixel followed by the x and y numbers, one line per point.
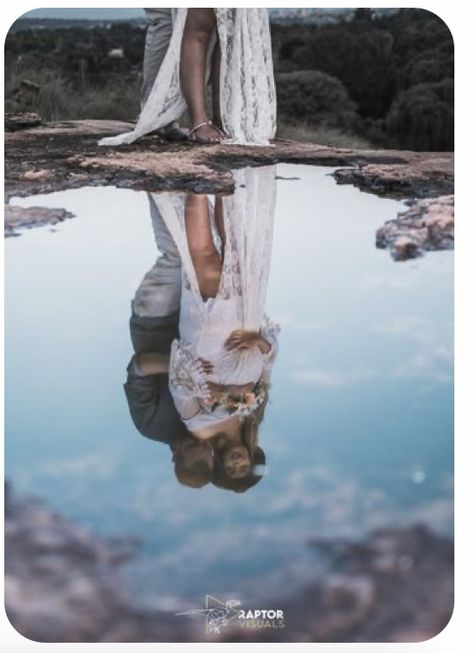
pixel 236 461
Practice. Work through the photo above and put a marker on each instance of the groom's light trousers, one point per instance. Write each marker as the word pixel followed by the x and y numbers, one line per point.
pixel 159 292
pixel 157 40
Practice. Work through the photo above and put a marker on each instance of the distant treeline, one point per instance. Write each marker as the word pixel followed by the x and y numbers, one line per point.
pixel 387 78
pixel 390 78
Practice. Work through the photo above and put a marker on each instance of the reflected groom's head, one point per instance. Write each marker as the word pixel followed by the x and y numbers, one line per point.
pixel 193 462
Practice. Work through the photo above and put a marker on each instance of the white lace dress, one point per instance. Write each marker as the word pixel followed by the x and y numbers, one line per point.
pixel 239 303
pixel 247 86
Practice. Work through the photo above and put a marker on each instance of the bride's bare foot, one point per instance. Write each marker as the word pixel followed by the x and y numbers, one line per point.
pixel 218 125
pixel 206 133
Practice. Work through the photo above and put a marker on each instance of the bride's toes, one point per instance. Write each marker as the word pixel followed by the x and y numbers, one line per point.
pixel 207 134
pixel 206 365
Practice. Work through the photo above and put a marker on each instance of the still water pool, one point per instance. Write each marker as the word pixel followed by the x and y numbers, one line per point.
pixel 358 433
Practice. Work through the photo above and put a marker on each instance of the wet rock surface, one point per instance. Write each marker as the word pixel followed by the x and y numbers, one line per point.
pixel 17 217
pixel 64 584
pixel 427 225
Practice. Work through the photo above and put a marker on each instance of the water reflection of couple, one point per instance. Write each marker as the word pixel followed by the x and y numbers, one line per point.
pixel 204 347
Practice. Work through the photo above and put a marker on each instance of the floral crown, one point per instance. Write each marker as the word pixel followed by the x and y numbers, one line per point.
pixel 243 404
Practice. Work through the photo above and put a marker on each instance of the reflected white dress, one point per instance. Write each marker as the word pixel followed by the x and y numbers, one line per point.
pixel 247 86
pixel 205 325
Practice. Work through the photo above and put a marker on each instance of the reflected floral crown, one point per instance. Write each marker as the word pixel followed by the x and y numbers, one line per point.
pixel 243 404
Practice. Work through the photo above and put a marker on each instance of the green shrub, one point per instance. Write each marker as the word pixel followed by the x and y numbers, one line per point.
pixel 422 117
pixel 59 98
pixel 314 98
pixel 427 66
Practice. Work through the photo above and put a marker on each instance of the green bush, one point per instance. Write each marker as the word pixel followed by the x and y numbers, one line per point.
pixel 422 117
pixel 427 66
pixel 58 98
pixel 314 98
pixel 360 56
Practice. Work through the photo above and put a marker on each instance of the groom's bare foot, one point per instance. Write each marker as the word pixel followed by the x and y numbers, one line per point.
pixel 174 133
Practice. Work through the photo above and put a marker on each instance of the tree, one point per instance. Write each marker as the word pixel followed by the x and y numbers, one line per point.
pixel 363 14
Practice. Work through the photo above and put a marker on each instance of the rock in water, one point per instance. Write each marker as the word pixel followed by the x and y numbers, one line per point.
pixel 62 583
pixel 17 217
pixel 427 225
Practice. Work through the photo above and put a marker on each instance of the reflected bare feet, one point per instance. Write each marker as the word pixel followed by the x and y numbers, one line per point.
pixel 207 366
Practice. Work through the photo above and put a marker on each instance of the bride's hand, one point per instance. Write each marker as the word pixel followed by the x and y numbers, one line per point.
pixel 215 390
pixel 241 339
pixel 207 366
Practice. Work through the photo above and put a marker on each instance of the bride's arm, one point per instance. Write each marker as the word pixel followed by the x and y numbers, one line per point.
pixel 269 332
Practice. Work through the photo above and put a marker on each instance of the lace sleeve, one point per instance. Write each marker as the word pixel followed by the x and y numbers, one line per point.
pixel 270 331
pixel 187 378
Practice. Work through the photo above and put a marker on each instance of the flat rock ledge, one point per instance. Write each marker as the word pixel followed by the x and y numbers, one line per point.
pixel 60 155
pixel 426 226
pixel 63 584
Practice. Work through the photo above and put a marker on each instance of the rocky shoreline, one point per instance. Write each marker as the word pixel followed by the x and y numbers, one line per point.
pixel 47 157
pixel 55 156
pixel 63 583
